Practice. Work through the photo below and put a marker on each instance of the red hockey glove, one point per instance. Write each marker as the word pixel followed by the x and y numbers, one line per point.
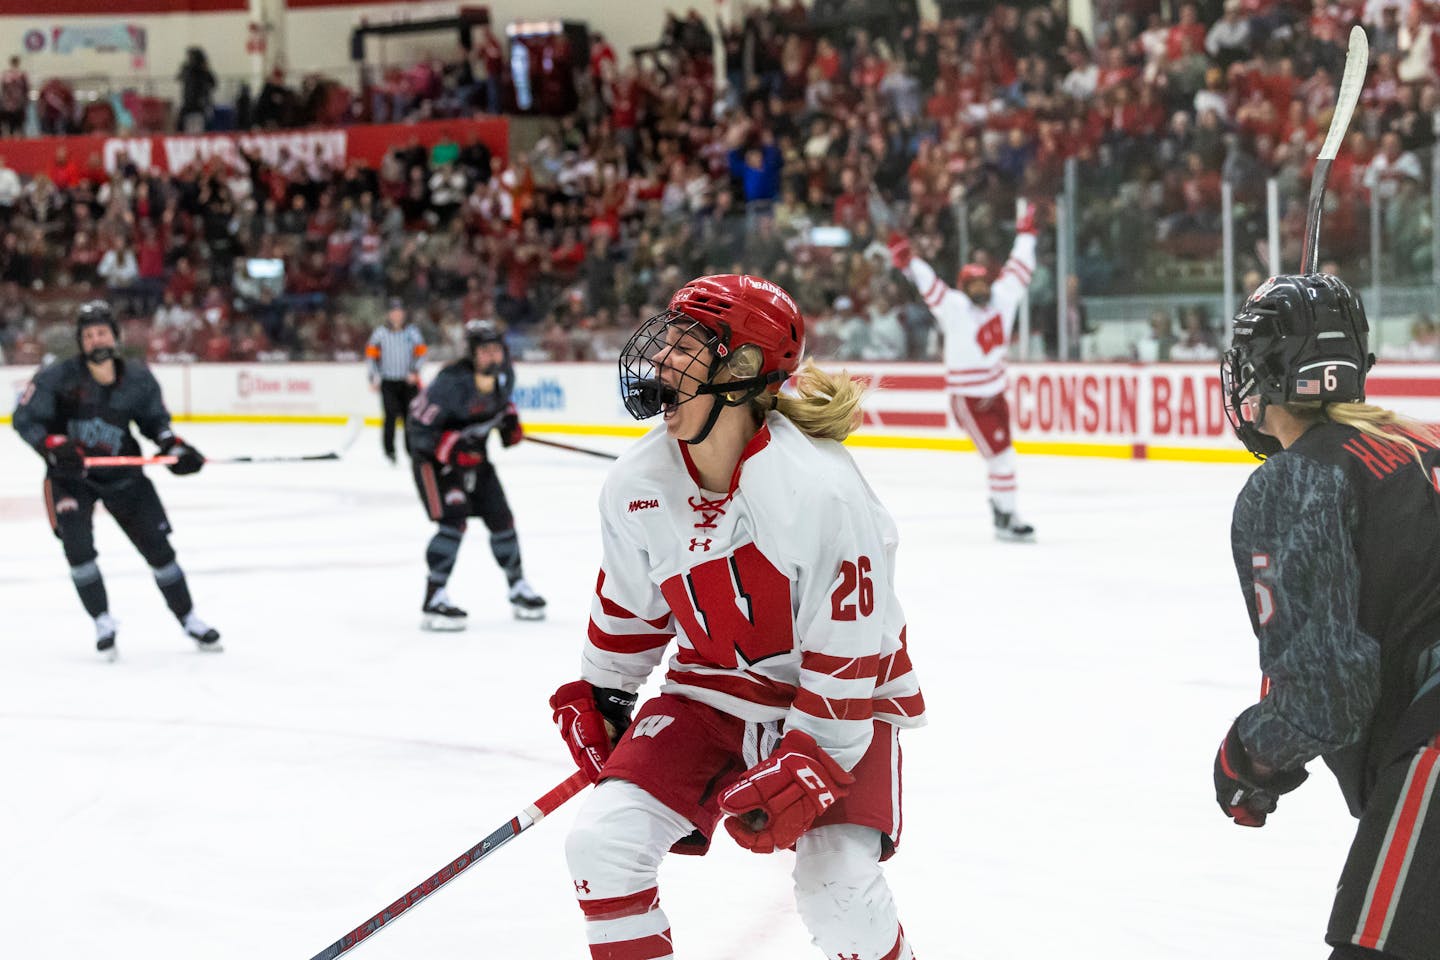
pixel 1246 796
pixel 899 247
pixel 777 799
pixel 188 459
pixel 1025 223
pixel 65 457
pixel 591 719
pixel 455 449
pixel 511 432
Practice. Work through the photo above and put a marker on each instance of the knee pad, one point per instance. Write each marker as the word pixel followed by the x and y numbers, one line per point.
pixel 841 893
pixel 615 845
pixel 158 553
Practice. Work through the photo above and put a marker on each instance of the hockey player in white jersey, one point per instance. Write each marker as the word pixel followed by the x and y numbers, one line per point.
pixel 975 322
pixel 742 531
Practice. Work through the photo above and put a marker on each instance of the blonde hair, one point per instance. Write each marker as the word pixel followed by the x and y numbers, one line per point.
pixel 824 405
pixel 1378 423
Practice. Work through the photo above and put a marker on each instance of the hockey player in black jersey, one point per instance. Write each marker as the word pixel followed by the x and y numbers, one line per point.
pixel 450 422
pixel 1336 538
pixel 83 407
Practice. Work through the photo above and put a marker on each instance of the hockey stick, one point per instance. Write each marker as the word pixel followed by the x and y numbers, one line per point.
pixel 355 423
pixel 527 818
pixel 565 446
pixel 1357 59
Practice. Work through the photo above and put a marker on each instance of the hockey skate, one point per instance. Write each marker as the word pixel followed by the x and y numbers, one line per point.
pixel 206 637
pixel 105 638
pixel 439 614
pixel 527 604
pixel 1009 526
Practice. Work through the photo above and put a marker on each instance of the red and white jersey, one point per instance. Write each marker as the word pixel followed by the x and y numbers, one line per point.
pixel 778 592
pixel 976 337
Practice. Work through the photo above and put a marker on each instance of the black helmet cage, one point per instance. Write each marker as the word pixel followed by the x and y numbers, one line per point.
pixel 1298 338
pixel 646 394
pixel 480 332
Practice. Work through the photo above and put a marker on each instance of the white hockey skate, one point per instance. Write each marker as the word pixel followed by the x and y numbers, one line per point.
pixel 105 638
pixel 1009 526
pixel 527 604
pixel 206 637
pixel 440 615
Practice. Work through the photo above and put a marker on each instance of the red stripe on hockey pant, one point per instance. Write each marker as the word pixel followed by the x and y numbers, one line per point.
pixel 432 492
pixel 826 708
pixel 627 642
pixel 630 905
pixel 646 948
pixel 967 421
pixel 1389 881
pixel 841 668
pixel 50 505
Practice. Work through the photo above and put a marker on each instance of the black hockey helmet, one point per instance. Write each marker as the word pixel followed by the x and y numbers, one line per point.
pixel 94 313
pixel 1297 339
pixel 480 332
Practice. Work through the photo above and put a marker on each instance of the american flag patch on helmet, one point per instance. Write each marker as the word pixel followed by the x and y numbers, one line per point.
pixel 1308 387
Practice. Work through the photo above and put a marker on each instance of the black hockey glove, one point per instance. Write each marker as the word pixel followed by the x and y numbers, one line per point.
pixel 1246 796
pixel 65 457
pixel 461 449
pixel 188 459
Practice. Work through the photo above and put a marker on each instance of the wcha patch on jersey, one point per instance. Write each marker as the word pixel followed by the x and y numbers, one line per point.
pixel 643 505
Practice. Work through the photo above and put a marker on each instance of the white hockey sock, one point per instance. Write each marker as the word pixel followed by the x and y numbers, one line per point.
pixel 842 894
pixel 614 851
pixel 1002 479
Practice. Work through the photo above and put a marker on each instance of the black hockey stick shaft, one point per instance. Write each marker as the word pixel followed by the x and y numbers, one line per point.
pixel 1357 60
pixel 517 825
pixel 355 423
pixel 573 449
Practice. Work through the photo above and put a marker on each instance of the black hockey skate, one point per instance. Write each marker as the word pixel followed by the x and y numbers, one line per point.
pixel 206 637
pixel 527 604
pixel 438 613
pixel 105 638
pixel 1009 526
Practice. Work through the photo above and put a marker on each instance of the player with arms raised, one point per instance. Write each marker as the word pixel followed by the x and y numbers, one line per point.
pixel 975 322
pixel 742 530
pixel 83 407
pixel 447 433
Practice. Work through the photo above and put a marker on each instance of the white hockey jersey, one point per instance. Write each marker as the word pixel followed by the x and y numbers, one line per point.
pixel 976 337
pixel 778 591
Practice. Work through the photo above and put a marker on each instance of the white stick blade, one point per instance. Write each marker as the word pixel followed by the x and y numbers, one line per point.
pixel 1357 60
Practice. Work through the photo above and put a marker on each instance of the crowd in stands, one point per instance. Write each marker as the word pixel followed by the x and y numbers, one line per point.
pixel 661 173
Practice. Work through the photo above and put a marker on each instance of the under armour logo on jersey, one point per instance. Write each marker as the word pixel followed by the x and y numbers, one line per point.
pixel 700 544
pixel 643 505
pixel 651 725
pixel 582 886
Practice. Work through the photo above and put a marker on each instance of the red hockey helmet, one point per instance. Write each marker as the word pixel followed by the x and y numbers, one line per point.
pixel 741 309
pixel 974 271
pixel 730 315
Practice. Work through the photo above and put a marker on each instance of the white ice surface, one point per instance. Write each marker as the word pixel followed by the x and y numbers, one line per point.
pixel 262 802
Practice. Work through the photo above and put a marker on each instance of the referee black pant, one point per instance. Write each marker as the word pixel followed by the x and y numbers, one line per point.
pixel 395 397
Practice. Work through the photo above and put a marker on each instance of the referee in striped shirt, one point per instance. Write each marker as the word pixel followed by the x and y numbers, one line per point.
pixel 395 351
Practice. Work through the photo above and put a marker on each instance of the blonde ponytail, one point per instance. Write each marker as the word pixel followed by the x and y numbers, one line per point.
pixel 825 406
pixel 1380 424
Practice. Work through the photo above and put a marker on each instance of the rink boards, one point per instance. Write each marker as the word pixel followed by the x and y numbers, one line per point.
pixel 1140 411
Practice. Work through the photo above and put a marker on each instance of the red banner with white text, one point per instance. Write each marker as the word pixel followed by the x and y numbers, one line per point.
pixel 365 142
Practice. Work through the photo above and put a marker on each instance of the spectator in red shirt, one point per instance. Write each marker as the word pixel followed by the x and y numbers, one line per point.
pixel 1189 26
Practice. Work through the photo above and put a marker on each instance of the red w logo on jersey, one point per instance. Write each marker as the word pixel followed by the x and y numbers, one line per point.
pixel 729 605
